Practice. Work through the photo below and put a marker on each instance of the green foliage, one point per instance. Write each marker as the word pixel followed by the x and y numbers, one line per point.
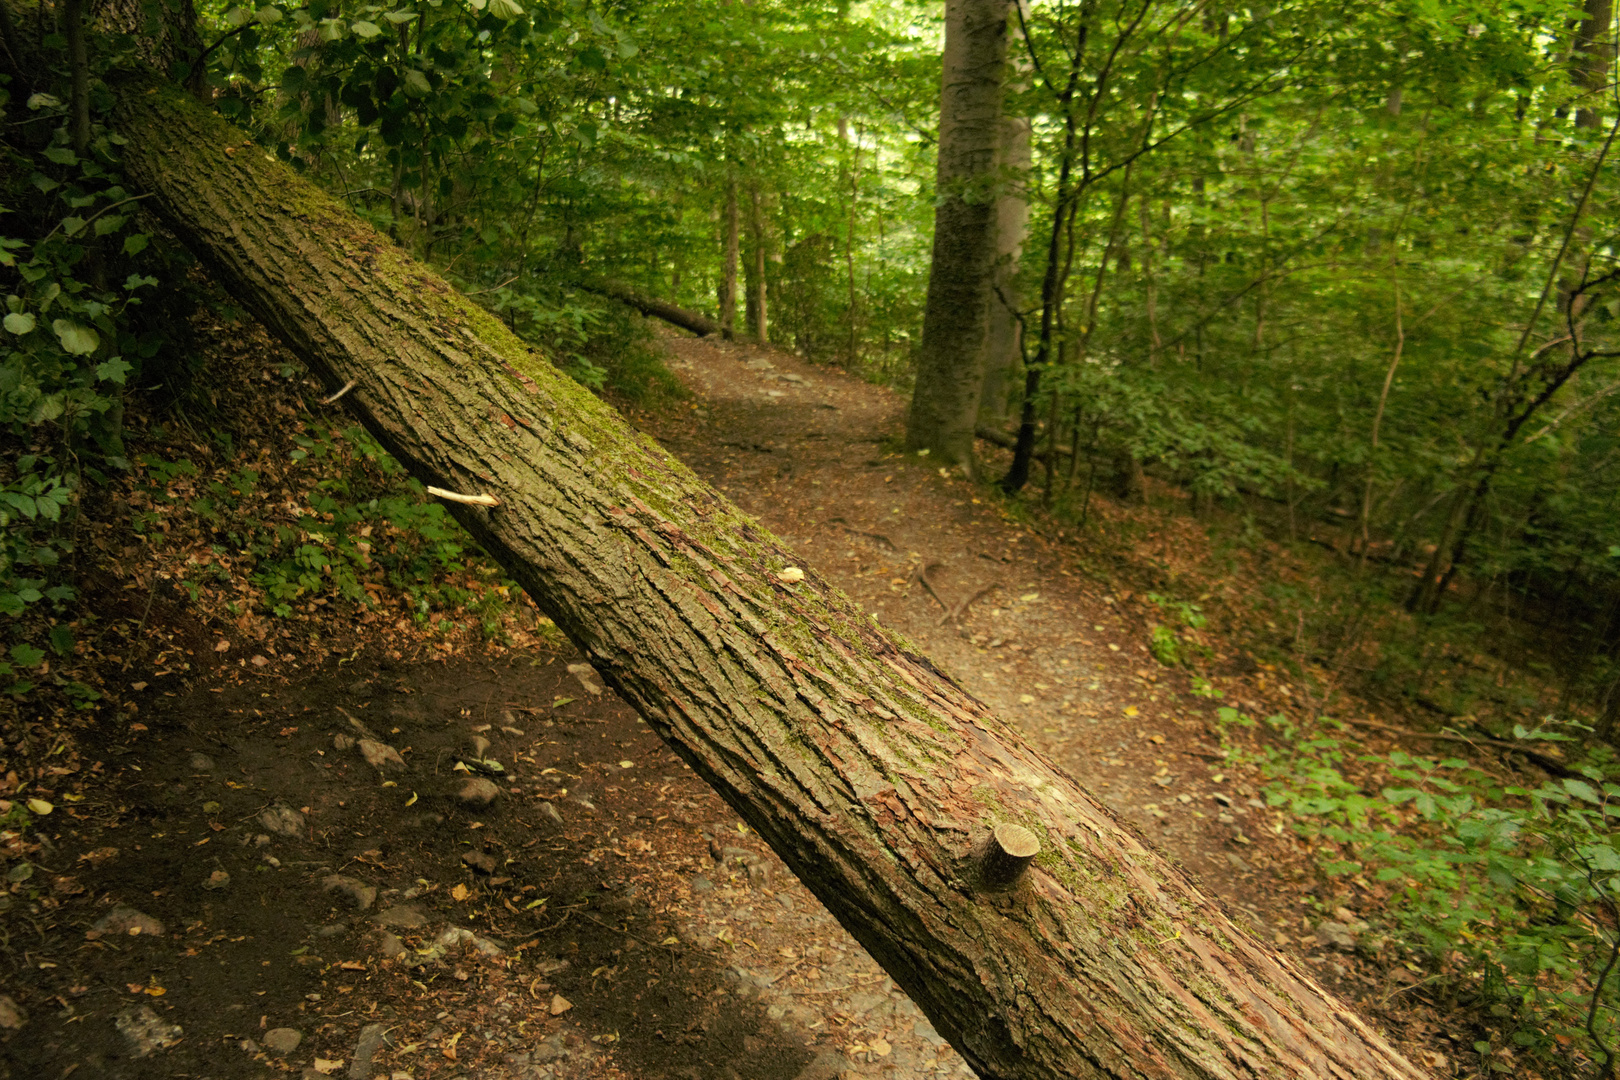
pixel 1510 894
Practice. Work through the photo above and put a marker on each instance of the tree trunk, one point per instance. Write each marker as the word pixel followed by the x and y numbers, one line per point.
pixel 701 325
pixel 728 273
pixel 1004 349
pixel 754 308
pixel 950 372
pixel 875 776
pixel 1594 51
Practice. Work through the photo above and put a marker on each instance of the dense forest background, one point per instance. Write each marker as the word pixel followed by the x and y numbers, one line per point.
pixel 1337 280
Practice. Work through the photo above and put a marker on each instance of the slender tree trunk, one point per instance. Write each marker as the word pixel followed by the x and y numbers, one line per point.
pixel 1594 52
pixel 950 372
pixel 1004 351
pixel 1378 421
pixel 754 280
pixel 728 271
pixel 878 779
pixel 852 345
pixel 79 64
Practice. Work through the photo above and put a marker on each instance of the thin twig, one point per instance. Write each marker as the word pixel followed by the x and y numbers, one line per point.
pixel 344 389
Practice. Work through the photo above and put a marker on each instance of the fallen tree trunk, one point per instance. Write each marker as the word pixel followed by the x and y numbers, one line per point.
pixel 884 786
pixel 701 325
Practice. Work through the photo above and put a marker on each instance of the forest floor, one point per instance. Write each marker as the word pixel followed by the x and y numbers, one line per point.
pixel 344 848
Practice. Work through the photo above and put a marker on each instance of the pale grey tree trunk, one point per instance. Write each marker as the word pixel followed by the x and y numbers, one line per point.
pixel 1004 346
pixel 956 319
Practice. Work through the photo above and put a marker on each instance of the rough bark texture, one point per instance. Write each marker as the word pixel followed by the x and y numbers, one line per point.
pixel 701 325
pixel 950 371
pixel 1594 51
pixel 875 776
pixel 728 273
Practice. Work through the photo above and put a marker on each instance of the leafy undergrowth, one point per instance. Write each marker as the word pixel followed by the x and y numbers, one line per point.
pixel 253 530
pixel 1484 882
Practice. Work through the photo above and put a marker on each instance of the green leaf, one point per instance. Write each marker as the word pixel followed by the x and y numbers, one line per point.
pixel 76 339
pixel 416 83
pixel 114 370
pixel 44 101
pixel 1582 790
pixel 19 322
pixel 268 16
pixel 62 643
pixel 238 16
pixel 27 655
pixel 366 30
pixel 505 9
pixel 135 243
pixel 61 155
pixel 109 223
pixel 72 226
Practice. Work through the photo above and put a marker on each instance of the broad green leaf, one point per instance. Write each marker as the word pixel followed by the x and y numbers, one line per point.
pixel 44 101
pixel 113 370
pixel 268 16
pixel 109 223
pixel 1582 790
pixel 75 338
pixel 238 16
pixel 19 322
pixel 416 83
pixel 505 9
pixel 27 655
pixel 366 30
pixel 135 243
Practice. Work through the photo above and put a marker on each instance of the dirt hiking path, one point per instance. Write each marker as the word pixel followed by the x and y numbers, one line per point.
pixel 334 860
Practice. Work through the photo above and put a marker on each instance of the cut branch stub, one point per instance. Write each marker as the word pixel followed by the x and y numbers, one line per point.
pixel 1007 855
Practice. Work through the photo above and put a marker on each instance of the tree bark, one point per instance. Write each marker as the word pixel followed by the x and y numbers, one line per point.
pixel 950 372
pixel 1004 348
pixel 875 776
pixel 754 308
pixel 701 325
pixel 1594 51
pixel 728 272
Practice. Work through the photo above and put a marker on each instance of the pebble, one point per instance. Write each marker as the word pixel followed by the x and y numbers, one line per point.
pixel 282 1040
pixel 587 678
pixel 560 1005
pixel 549 812
pixel 343 743
pixel 217 880
pixel 1336 934
pixel 12 1015
pixel 371 1037
pixel 482 861
pixel 702 884
pixel 359 892
pixel 389 945
pixel 146 1033
pixel 480 746
pixel 403 915
pixel 201 763
pixel 459 935
pixel 283 821
pixel 478 792
pixel 126 920
pixel 381 756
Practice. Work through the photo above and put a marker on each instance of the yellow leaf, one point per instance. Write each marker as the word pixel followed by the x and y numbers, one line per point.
pixel 1131 710
pixel 155 991
pixel 460 892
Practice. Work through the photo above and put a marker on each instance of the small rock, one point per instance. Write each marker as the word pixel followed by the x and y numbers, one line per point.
pixel 371 1037
pixel 381 756
pixel 478 792
pixel 389 946
pixel 587 678
pixel 343 743
pixel 759 874
pixel 12 1015
pixel 282 1041
pixel 458 935
pixel 406 916
pixel 1337 935
pixel 1222 798
pixel 201 763
pixel 124 920
pixel 702 884
pixel 356 890
pixel 480 746
pixel 217 880
pixel 482 861
pixel 146 1033
pixel 827 1065
pixel 549 812
pixel 283 821
pixel 560 1004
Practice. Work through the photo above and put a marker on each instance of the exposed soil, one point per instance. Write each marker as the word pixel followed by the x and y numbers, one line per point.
pixel 239 892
